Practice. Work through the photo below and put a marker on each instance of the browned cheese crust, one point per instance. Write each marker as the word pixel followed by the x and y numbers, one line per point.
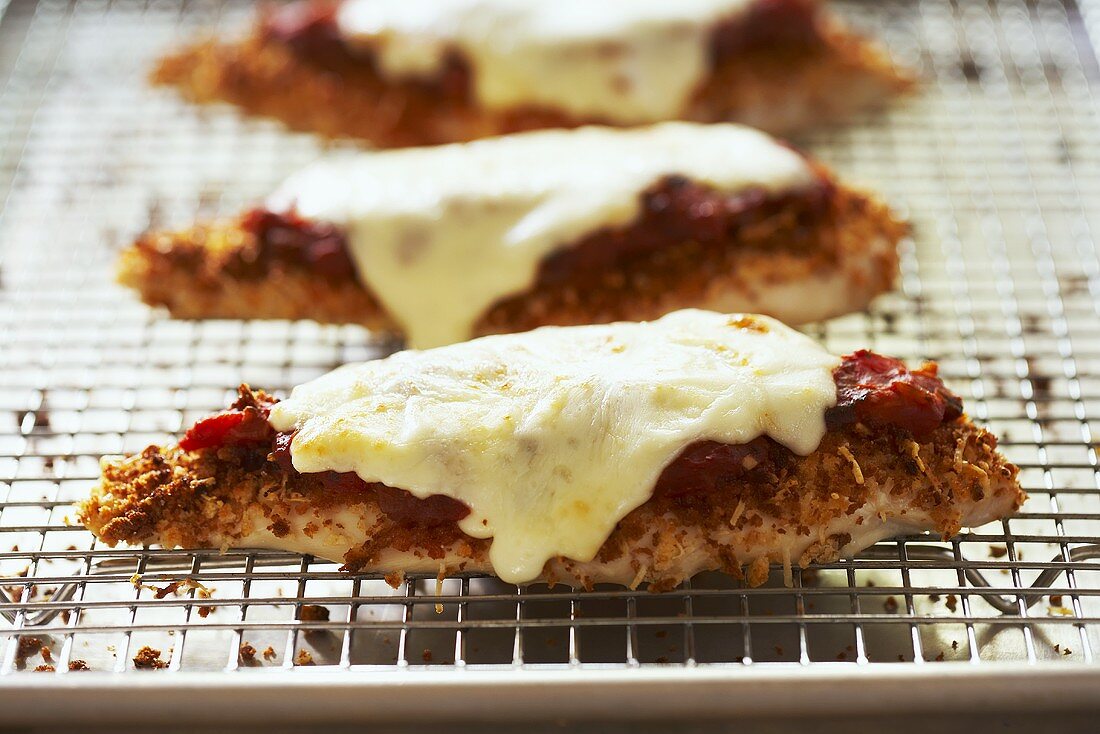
pixel 202 498
pixel 781 91
pixel 197 274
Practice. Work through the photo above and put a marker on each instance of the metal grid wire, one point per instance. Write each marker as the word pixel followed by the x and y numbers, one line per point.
pixel 997 162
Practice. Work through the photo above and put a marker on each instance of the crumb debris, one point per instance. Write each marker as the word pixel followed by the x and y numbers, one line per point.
pixel 303 658
pixel 76 665
pixel 28 647
pixel 940 658
pixel 426 656
pixel 45 669
pixel 998 551
pixel 201 590
pixel 314 613
pixel 952 602
pixel 269 653
pixel 21 593
pixel 1055 600
pixel 247 653
pixel 46 654
pixel 148 658
pixel 890 604
pixel 164 591
pixel 174 587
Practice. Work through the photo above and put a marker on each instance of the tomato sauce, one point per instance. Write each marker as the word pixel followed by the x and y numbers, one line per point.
pixel 319 247
pixel 882 391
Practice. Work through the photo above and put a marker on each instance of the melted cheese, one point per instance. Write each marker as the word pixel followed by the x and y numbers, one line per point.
pixel 624 61
pixel 441 234
pixel 552 436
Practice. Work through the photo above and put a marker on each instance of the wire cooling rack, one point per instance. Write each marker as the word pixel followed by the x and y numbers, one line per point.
pixel 997 163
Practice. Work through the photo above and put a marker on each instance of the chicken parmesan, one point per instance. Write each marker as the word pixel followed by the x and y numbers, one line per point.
pixel 625 453
pixel 591 225
pixel 425 72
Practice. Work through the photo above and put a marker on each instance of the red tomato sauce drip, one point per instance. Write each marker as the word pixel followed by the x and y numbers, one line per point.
pixel 705 467
pixel 319 246
pixel 882 391
pixel 309 29
pixel 234 427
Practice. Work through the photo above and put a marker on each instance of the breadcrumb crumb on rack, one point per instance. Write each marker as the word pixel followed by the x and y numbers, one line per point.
pixel 247 653
pixel 28 646
pixel 148 658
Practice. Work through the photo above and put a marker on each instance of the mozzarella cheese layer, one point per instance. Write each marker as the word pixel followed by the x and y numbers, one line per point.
pixel 552 436
pixel 441 234
pixel 625 61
